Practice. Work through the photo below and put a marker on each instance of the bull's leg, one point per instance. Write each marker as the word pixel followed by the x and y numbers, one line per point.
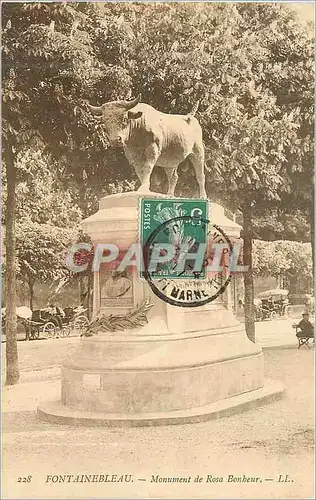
pixel 197 159
pixel 172 175
pixel 145 177
pixel 139 172
pixel 151 156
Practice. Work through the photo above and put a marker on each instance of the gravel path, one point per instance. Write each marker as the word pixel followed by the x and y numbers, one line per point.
pixel 42 354
pixel 267 442
pixel 46 354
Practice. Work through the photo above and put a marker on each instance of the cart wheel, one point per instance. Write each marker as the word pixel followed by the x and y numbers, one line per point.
pixel 36 334
pixel 49 330
pixel 273 315
pixel 80 323
pixel 65 331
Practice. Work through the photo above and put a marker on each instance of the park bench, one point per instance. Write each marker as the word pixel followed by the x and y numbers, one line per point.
pixel 303 339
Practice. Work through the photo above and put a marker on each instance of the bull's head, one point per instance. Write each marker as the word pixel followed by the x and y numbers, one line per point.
pixel 116 117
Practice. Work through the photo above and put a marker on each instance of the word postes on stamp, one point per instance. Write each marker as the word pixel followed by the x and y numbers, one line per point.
pixel 178 223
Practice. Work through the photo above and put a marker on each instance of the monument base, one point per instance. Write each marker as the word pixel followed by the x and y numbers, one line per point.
pixel 56 413
pixel 123 379
pixel 185 365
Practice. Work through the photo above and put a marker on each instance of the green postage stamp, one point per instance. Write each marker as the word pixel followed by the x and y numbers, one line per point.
pixel 181 223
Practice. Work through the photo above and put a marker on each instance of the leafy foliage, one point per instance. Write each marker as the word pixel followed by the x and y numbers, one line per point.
pixel 237 59
pixel 249 64
pixel 47 219
pixel 40 195
pixel 51 65
pixel 280 224
pixel 135 318
pixel 289 259
pixel 41 249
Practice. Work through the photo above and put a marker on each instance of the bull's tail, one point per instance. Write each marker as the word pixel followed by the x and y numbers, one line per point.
pixel 195 108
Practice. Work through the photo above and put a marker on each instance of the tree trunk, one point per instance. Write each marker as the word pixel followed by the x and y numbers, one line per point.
pixel 31 290
pixel 312 222
pixel 248 276
pixel 81 290
pixel 89 303
pixel 12 369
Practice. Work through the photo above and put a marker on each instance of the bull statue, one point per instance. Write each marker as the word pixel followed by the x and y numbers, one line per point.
pixel 151 138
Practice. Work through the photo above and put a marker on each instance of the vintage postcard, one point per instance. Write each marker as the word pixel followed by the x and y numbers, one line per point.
pixel 157 304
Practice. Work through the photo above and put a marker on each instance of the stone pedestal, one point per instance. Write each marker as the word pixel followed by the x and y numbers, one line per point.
pixel 185 365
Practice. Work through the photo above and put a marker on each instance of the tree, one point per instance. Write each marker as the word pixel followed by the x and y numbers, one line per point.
pixel 291 79
pixel 289 260
pixel 40 253
pixel 280 224
pixel 49 67
pixel 47 220
pixel 31 51
pixel 11 334
pixel 237 59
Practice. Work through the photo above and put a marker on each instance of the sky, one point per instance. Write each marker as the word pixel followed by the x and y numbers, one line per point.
pixel 305 10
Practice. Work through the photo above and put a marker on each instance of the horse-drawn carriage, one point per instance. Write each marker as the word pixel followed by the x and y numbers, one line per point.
pixel 32 328
pixel 272 304
pixel 49 322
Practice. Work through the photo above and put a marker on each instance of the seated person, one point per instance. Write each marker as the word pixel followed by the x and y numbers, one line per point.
pixel 270 303
pixel 53 316
pixel 306 327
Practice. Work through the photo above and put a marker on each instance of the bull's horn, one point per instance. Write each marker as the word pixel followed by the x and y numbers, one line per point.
pixel 131 104
pixel 97 110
